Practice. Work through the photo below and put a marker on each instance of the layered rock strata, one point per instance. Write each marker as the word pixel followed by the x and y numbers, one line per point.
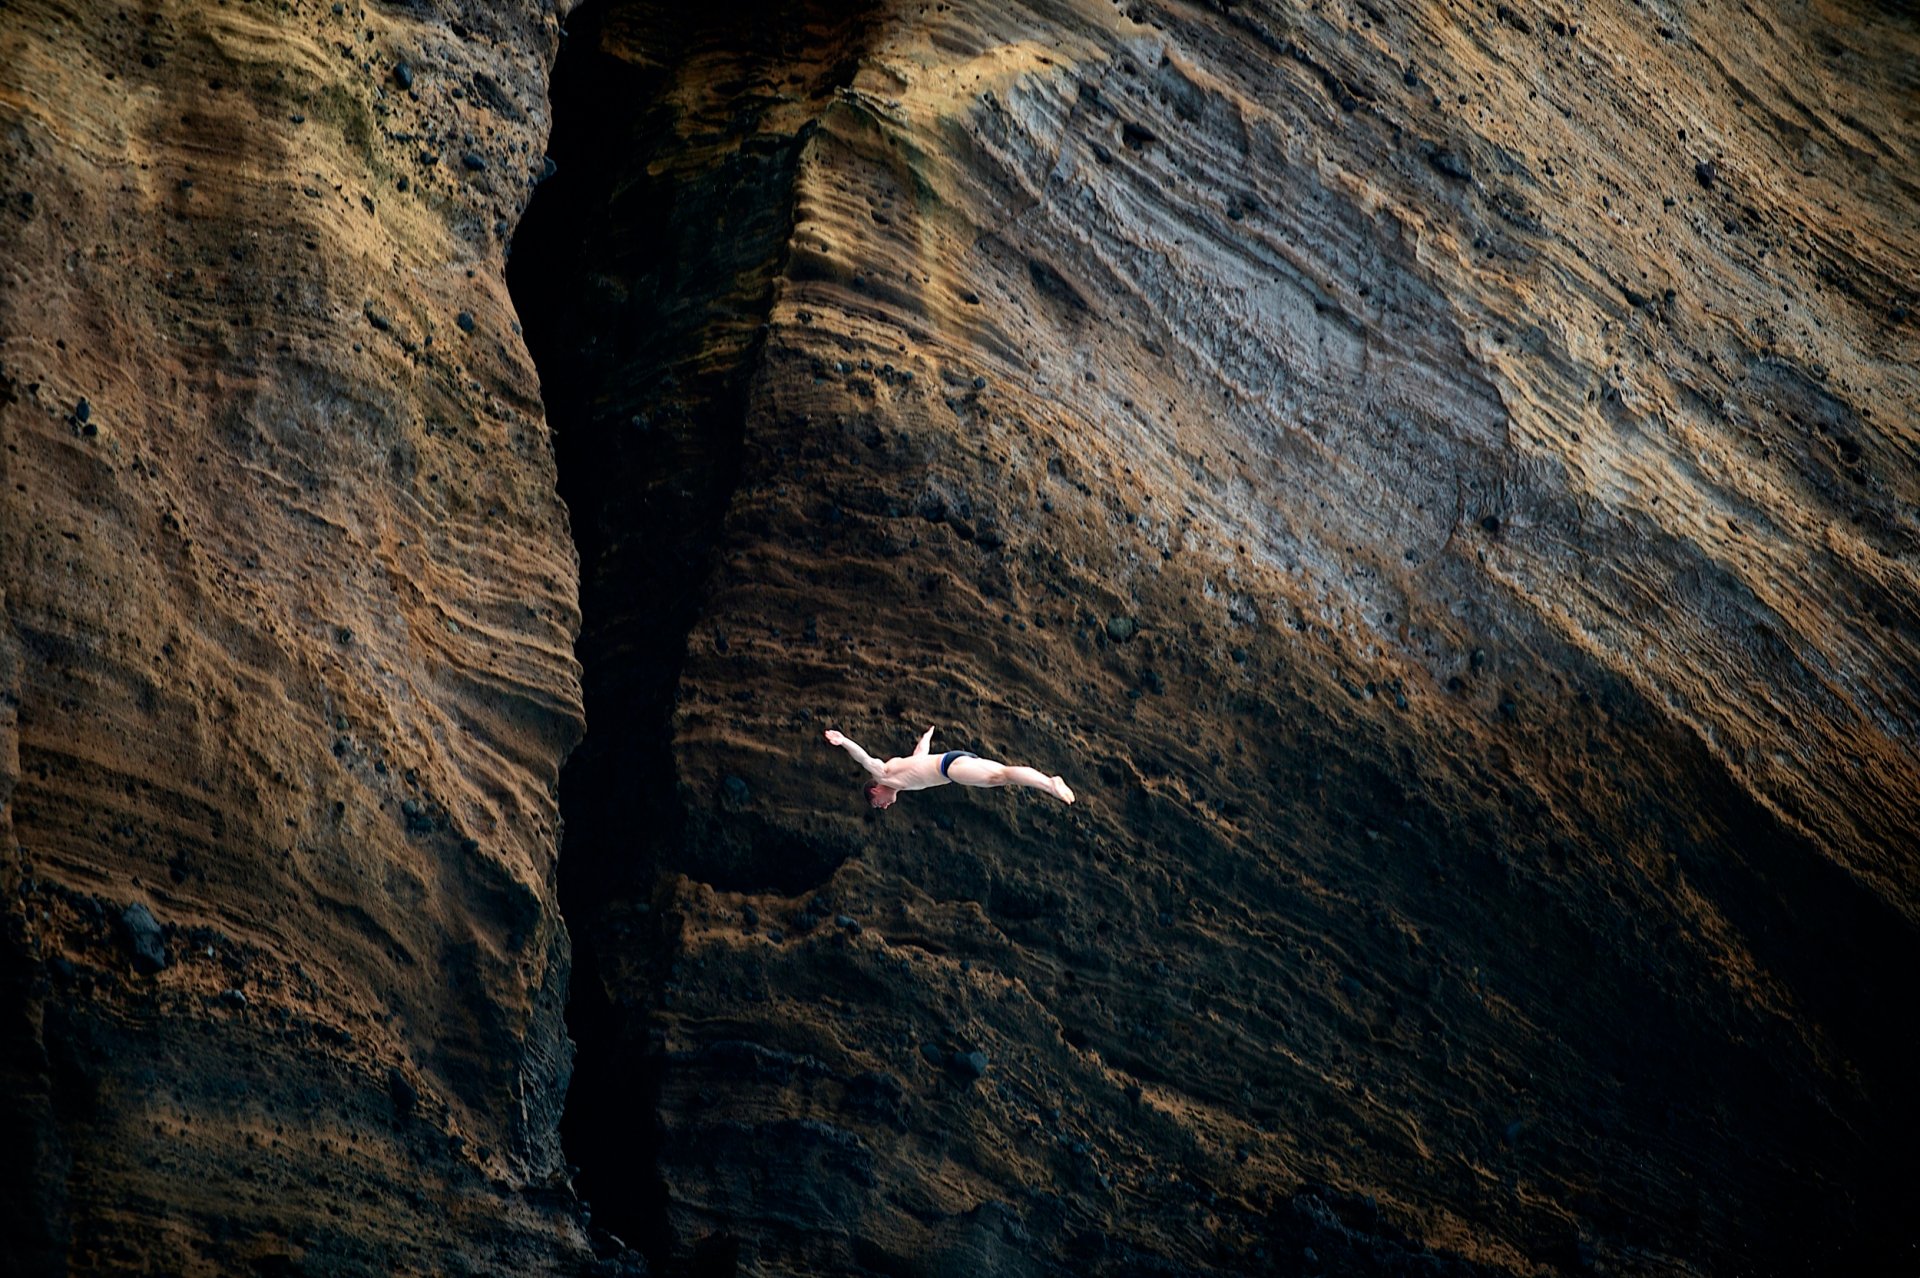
pixel 286 652
pixel 1440 481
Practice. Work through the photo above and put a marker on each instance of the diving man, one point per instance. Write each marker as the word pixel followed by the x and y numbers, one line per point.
pixel 922 770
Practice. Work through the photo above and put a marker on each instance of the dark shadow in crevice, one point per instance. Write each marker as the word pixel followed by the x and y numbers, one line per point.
pixel 644 273
pixel 33 1157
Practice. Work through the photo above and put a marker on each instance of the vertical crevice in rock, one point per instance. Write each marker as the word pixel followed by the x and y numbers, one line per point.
pixel 33 1163
pixel 32 1202
pixel 643 274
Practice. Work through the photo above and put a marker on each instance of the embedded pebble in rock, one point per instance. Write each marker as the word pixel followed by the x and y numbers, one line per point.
pixel 145 938
pixel 1450 164
pixel 406 1098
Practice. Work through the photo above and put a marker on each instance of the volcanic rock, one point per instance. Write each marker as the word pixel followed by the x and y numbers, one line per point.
pixel 1495 855
pixel 170 679
pixel 144 938
pixel 1530 662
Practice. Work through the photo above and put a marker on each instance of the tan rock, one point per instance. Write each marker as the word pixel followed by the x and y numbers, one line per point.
pixel 287 647
pixel 1460 555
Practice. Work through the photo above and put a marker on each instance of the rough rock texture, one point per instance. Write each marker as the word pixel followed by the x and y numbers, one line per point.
pixel 1440 480
pixel 285 655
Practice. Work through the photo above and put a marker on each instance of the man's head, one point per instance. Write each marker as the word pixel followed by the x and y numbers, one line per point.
pixel 881 796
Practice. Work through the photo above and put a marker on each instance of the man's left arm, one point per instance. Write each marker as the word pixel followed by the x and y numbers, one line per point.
pixel 860 756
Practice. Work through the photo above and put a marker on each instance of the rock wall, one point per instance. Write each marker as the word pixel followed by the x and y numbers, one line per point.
pixel 1441 483
pixel 286 658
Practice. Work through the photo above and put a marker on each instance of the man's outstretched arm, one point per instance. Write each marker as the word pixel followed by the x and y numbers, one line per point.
pixel 860 756
pixel 926 739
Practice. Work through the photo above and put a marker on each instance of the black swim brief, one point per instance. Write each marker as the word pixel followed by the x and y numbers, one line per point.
pixel 946 760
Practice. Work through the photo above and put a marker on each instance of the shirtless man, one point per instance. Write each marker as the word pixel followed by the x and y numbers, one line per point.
pixel 922 771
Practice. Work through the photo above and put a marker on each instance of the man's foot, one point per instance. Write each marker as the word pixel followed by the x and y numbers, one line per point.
pixel 1061 790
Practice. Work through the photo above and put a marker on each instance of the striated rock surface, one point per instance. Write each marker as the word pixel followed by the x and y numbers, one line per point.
pixel 1442 483
pixel 285 655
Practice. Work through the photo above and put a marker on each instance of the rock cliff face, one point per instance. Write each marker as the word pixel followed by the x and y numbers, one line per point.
pixel 286 657
pixel 1441 481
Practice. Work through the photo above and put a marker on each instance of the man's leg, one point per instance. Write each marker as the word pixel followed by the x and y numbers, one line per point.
pixel 987 773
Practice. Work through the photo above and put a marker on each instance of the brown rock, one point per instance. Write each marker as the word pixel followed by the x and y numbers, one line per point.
pixel 262 471
pixel 1526 747
pixel 896 352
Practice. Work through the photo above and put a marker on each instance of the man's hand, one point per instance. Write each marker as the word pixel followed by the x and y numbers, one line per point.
pixel 834 738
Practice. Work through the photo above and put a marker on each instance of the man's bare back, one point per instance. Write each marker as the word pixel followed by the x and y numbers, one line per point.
pixel 922 770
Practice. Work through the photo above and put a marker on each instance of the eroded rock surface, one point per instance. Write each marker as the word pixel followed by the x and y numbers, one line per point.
pixel 285 662
pixel 1440 481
